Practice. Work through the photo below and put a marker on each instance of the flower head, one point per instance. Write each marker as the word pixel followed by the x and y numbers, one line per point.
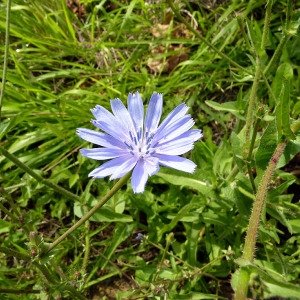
pixel 130 141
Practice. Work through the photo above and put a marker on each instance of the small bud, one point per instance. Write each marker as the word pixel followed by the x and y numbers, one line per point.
pixel 33 252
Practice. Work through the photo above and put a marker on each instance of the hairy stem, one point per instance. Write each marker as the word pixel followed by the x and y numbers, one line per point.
pixel 253 227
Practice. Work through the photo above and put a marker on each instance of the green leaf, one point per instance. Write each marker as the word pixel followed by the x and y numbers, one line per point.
pixel 295 224
pixel 285 75
pixel 4 226
pixel 104 214
pixel 267 146
pixel 230 106
pixel 184 179
pixel 291 149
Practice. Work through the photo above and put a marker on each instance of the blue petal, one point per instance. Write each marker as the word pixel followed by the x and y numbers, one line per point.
pixel 176 147
pixel 142 170
pixel 173 116
pixel 186 139
pixel 113 128
pixel 136 109
pixel 99 138
pixel 176 162
pixel 122 114
pixel 139 177
pixel 124 168
pixel 109 167
pixel 153 113
pixel 151 165
pixel 103 153
pixel 101 113
pixel 174 129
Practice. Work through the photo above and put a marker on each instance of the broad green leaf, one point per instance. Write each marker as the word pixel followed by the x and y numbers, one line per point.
pixel 4 226
pixel 267 146
pixel 291 149
pixel 184 179
pixel 295 224
pixel 285 74
pixel 104 214
pixel 230 106
pixel 277 286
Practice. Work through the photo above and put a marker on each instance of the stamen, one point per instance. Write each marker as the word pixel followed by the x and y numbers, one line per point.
pixel 150 139
pixel 139 134
pixel 131 136
pixel 156 144
pixel 128 146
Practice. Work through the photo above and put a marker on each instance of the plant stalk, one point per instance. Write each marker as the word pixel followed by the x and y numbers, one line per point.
pixel 251 236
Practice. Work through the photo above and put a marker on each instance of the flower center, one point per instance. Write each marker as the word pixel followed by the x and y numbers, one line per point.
pixel 140 146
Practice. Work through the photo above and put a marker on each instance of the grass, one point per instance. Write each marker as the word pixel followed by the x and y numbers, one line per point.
pixel 61 64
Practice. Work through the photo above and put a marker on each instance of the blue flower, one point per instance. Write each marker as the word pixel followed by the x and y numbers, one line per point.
pixel 130 141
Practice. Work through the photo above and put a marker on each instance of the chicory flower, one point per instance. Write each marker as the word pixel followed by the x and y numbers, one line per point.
pixel 130 141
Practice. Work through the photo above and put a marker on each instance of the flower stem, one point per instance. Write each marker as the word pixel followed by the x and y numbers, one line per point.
pixel 251 236
pixel 87 242
pixel 251 106
pixel 6 50
pixel 114 189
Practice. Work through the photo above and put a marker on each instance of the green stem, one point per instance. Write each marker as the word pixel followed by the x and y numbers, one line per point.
pixel 277 53
pixel 251 106
pixel 87 242
pixel 255 130
pixel 115 188
pixel 6 50
pixel 249 247
pixel 251 236
pixel 266 25
pixel 202 39
pixel 39 178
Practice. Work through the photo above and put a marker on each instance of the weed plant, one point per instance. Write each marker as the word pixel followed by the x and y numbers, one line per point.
pixel 230 230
